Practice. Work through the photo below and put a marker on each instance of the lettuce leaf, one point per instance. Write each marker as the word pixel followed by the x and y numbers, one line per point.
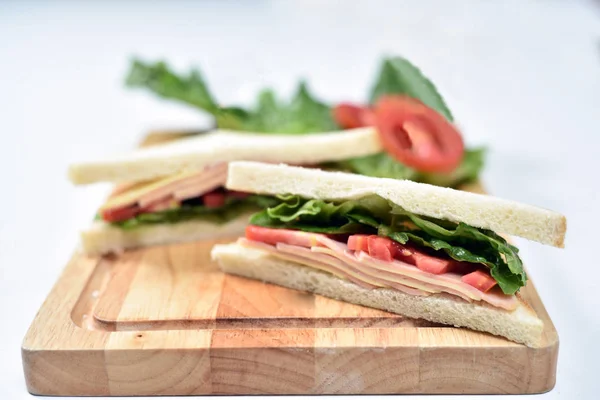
pixel 468 170
pixel 375 215
pixel 190 89
pixel 304 114
pixel 232 208
pixel 399 76
pixel 383 166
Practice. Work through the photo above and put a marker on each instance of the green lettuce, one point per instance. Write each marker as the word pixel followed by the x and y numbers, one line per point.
pixel 375 215
pixel 190 89
pixel 383 166
pixel 232 208
pixel 305 114
pixel 399 76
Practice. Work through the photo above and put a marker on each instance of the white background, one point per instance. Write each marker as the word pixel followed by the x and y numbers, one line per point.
pixel 521 77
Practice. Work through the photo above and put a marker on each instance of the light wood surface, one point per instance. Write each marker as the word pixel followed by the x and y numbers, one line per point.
pixel 165 320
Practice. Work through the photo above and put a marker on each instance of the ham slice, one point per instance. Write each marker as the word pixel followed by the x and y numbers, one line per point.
pixel 451 283
pixel 333 266
pixel 193 186
pixel 355 273
pixel 358 267
pixel 200 187
pixel 162 205
pixel 162 194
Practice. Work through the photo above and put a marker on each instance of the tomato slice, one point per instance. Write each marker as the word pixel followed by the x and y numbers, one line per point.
pixel 214 199
pixel 358 243
pixel 404 253
pixel 418 136
pixel 480 280
pixel 381 248
pixel 386 249
pixel 433 265
pixel 350 116
pixel 120 214
pixel 274 236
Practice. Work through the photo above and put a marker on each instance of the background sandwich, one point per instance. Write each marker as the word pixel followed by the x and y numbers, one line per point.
pixel 405 247
pixel 174 192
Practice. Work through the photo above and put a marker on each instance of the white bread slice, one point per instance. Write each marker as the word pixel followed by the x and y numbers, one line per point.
pixel 103 238
pixel 482 211
pixel 521 325
pixel 194 153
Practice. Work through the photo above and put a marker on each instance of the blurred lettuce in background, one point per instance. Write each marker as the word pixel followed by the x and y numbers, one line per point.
pixel 305 114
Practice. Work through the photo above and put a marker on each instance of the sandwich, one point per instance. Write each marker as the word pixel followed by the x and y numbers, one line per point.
pixel 174 192
pixel 405 247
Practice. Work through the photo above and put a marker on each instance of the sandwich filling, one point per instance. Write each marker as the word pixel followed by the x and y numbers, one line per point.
pixel 374 243
pixel 185 196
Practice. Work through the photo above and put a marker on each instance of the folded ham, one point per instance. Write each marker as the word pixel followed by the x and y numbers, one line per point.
pixel 356 266
pixel 164 193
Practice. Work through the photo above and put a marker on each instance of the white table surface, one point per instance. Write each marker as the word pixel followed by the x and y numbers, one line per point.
pixel 521 77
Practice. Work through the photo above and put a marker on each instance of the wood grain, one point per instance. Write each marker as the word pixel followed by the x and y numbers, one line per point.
pixel 165 285
pixel 166 321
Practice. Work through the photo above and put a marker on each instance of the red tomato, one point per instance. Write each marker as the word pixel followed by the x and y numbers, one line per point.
pixel 358 243
pixel 384 248
pixel 368 117
pixel 404 253
pixel 214 199
pixel 464 268
pixel 480 280
pixel 433 265
pixel 350 116
pixel 274 236
pixel 120 214
pixel 418 136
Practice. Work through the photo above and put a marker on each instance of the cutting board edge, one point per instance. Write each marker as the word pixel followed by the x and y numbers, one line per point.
pixel 93 372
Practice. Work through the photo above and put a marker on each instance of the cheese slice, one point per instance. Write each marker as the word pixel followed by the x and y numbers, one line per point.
pixel 133 193
pixel 181 186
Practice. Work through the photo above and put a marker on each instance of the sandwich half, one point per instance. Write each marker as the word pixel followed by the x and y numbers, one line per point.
pixel 174 192
pixel 405 247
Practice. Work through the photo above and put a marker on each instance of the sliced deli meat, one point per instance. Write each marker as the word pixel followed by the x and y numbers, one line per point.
pixel 192 186
pixel 198 187
pixel 162 194
pixel 351 262
pixel 331 264
pixel 355 272
pixel 386 249
pixel 161 205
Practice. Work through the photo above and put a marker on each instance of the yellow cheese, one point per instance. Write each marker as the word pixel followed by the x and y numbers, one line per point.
pixel 132 194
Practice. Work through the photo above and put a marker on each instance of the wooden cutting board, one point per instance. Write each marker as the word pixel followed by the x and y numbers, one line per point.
pixel 166 321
